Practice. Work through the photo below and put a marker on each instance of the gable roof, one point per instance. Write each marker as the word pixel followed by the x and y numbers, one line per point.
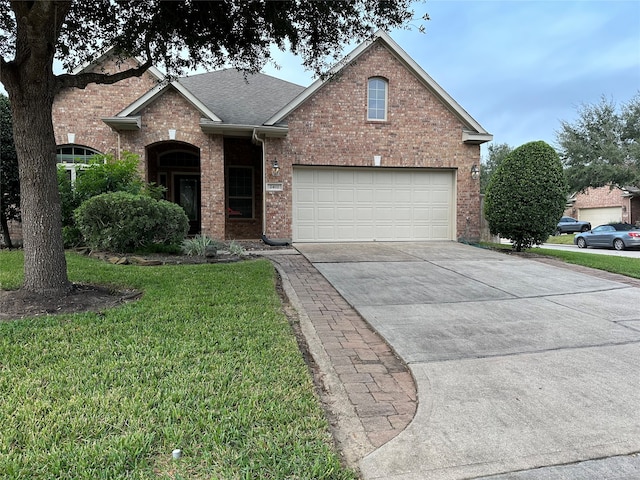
pixel 229 101
pixel 241 98
pixel 473 131
pixel 237 102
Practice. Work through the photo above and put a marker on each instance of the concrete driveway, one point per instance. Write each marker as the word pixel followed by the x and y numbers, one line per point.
pixel 524 370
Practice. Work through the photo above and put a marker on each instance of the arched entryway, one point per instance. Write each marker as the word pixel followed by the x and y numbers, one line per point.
pixel 176 167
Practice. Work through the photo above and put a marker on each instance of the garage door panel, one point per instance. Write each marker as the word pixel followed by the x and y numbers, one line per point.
pixel 304 195
pixel 439 215
pixel 364 195
pixel 325 214
pixel 364 178
pixel 306 214
pixel 345 214
pixel 403 214
pixel 402 196
pixel 325 195
pixel 351 204
pixel 344 195
pixel 364 213
pixel 385 214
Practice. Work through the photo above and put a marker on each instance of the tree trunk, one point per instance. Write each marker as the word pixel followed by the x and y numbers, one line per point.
pixel 6 238
pixel 45 266
pixel 31 85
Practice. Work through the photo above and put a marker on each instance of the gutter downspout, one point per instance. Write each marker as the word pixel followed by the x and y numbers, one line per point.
pixel 271 243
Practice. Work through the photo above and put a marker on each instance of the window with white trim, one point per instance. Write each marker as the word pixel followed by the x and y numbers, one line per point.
pixel 74 158
pixel 377 94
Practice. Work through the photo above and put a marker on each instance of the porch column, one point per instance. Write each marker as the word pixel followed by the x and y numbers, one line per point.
pixel 212 188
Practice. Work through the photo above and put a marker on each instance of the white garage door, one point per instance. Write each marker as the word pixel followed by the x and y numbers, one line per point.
pixel 366 204
pixel 600 216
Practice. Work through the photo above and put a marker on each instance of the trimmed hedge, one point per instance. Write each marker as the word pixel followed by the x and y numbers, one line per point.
pixel 123 222
pixel 526 195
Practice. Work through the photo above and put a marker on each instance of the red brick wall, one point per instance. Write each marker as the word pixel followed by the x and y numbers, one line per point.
pixel 331 128
pixel 81 111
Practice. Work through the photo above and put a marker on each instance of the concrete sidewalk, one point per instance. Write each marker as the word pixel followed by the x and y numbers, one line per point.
pixel 523 370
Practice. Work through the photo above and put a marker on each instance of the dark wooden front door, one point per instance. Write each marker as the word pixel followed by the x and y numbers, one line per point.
pixel 186 193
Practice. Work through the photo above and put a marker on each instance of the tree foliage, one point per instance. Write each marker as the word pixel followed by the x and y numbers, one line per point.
pixel 174 35
pixel 9 181
pixel 497 152
pixel 603 145
pixel 526 195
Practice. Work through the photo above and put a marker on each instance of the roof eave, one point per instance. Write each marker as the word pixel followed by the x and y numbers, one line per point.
pixel 232 130
pixel 123 123
pixel 474 138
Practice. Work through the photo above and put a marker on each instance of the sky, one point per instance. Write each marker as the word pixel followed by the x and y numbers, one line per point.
pixel 520 67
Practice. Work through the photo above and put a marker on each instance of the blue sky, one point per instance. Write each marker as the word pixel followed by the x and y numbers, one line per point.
pixel 520 67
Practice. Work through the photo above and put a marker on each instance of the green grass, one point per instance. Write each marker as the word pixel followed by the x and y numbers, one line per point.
pixel 629 267
pixel 622 265
pixel 205 362
pixel 566 239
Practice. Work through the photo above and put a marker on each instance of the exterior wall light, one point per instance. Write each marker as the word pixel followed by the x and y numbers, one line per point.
pixel 276 168
pixel 172 134
pixel 71 138
pixel 475 172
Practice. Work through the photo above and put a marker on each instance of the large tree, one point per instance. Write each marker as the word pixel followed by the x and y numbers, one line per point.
pixel 602 146
pixel 9 184
pixel 175 35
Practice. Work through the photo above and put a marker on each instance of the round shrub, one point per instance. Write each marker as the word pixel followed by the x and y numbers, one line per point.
pixel 526 195
pixel 122 222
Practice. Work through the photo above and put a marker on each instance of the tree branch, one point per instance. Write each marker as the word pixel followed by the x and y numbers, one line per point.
pixel 83 79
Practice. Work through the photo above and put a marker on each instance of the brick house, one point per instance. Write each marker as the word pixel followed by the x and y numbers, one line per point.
pixel 608 204
pixel 377 151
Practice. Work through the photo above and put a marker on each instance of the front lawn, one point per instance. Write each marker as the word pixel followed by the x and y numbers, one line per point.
pixel 566 239
pixel 205 362
pixel 627 266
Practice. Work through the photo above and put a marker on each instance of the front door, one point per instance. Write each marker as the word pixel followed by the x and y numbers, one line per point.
pixel 186 193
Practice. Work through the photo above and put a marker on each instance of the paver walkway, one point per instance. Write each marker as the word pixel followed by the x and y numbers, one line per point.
pixel 369 390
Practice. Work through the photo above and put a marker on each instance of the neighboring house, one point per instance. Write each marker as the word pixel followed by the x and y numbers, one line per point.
pixel 608 204
pixel 377 151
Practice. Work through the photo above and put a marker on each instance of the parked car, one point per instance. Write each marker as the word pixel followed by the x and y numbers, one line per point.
pixel 571 225
pixel 618 236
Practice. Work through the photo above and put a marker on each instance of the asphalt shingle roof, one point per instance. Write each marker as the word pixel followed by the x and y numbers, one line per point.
pixel 241 99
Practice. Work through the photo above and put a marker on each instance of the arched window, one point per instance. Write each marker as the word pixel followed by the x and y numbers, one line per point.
pixel 377 99
pixel 70 154
pixel 74 158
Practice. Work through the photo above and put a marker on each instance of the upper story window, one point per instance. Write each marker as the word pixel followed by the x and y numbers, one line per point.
pixel 377 99
pixel 74 158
